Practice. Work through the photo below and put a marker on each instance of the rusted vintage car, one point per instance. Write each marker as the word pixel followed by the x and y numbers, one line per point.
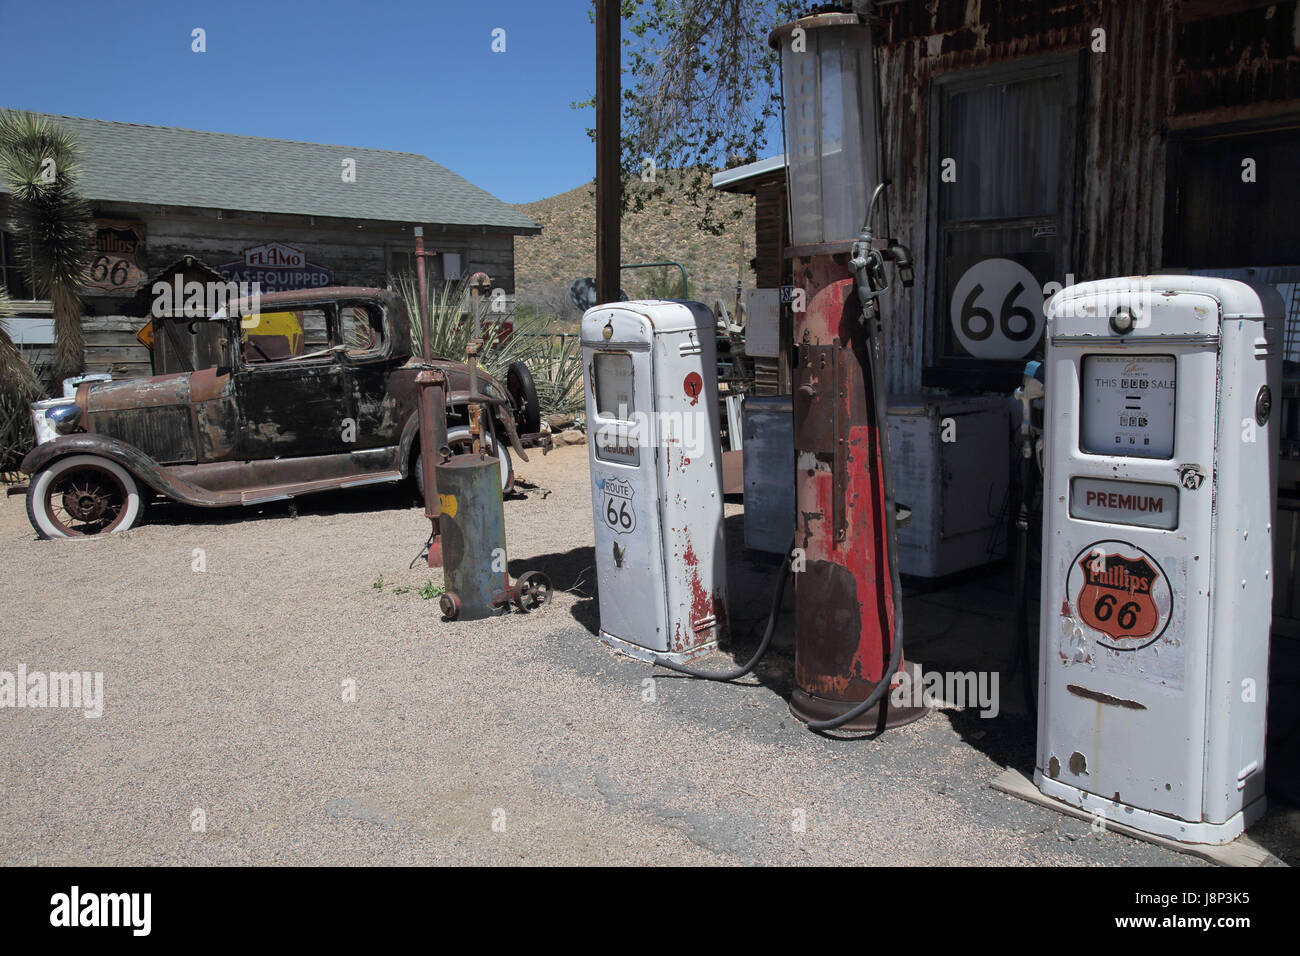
pixel 316 393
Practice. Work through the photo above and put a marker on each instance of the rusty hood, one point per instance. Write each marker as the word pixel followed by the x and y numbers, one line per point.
pixel 136 393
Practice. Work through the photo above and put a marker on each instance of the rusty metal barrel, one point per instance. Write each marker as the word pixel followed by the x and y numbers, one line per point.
pixel 473 530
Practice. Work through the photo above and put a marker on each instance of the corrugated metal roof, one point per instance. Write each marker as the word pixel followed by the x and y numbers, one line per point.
pixel 730 178
pixel 169 166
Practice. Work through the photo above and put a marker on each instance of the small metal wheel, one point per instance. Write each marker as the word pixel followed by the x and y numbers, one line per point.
pixel 532 590
pixel 450 605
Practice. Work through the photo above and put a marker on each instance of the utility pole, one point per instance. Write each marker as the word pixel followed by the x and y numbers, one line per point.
pixel 608 148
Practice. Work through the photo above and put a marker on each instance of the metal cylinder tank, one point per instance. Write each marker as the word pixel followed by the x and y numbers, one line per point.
pixel 473 530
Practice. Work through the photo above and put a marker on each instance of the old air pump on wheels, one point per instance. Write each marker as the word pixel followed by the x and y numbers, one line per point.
pixel 462 497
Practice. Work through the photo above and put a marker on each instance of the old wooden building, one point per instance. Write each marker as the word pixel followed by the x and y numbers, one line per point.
pixel 1067 140
pixel 285 214
pixel 1079 138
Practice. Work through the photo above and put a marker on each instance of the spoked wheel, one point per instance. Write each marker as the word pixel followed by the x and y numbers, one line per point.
pixel 532 590
pixel 83 495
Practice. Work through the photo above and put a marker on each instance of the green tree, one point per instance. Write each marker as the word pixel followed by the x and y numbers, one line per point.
pixel 51 223
pixel 700 92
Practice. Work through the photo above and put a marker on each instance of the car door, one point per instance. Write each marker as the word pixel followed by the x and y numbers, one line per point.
pixel 381 412
pixel 292 396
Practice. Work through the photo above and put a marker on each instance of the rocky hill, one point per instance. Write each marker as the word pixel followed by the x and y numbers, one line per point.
pixel 665 230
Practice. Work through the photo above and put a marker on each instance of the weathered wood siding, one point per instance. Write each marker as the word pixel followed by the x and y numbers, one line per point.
pixel 356 251
pixel 1167 64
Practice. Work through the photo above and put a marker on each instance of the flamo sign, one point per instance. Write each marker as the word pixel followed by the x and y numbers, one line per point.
pixel 277 266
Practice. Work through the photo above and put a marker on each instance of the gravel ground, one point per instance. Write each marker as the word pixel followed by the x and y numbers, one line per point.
pixel 517 739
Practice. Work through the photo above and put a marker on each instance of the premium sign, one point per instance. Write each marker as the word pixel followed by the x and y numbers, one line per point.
pixel 277 266
pixel 1124 502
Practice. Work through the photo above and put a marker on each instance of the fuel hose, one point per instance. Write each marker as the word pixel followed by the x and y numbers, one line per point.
pixel 778 593
pixel 861 265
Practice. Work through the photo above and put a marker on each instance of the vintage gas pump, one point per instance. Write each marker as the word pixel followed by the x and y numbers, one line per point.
pixel 1157 551
pixel 656 477
pixel 848 618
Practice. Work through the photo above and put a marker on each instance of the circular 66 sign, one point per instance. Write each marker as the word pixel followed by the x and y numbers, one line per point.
pixel 997 309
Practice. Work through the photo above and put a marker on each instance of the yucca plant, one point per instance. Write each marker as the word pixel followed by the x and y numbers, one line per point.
pixel 554 368
pixel 19 386
pixel 16 377
pixel 50 222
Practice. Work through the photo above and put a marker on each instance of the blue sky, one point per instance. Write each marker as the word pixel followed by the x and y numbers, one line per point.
pixel 420 77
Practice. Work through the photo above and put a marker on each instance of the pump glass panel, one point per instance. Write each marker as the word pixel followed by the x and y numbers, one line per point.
pixel 615 438
pixel 614 385
pixel 1127 405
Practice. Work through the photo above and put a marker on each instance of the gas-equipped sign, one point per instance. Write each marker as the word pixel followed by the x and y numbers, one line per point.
pixel 997 310
pixel 1120 592
pixel 617 507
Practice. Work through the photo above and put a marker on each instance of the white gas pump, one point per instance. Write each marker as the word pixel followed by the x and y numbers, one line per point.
pixel 656 477
pixel 1157 551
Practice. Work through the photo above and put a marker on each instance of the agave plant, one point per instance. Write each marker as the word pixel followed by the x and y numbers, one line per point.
pixel 554 368
pixel 50 222
pixel 557 374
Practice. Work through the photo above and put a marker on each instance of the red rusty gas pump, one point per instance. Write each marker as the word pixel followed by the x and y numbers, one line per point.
pixel 848 618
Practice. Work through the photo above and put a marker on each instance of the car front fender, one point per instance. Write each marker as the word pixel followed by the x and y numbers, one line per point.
pixel 133 460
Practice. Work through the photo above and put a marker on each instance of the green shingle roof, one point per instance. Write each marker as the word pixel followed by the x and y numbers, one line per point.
pixel 169 166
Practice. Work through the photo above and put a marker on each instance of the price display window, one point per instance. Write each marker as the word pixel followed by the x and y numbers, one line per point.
pixel 1128 405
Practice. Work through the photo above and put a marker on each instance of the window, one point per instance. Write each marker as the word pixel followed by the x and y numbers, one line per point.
pixel 13 275
pixel 1232 200
pixel 278 336
pixel 1003 192
pixel 361 329
pixel 1231 210
pixel 401 260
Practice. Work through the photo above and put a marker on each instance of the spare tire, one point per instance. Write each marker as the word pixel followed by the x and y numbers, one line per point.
pixel 523 398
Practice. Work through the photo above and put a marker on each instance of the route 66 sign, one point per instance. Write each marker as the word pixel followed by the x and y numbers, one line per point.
pixel 617 507
pixel 997 310
pixel 1120 592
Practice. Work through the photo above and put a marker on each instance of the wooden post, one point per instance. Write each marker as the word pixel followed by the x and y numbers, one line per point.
pixel 608 148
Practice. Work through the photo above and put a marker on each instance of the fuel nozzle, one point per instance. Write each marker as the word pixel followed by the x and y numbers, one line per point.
pixel 902 260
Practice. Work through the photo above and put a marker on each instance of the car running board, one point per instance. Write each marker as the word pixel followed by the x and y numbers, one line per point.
pixel 282 492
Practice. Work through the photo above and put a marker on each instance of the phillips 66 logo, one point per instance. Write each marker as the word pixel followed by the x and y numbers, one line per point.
pixel 1120 592
pixel 616 505
pixel 997 309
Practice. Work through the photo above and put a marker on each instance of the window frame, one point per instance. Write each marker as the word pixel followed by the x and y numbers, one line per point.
pixel 1173 244
pixel 950 371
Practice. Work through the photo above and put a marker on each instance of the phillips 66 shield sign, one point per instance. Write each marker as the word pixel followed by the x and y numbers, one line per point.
pixel 1120 593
